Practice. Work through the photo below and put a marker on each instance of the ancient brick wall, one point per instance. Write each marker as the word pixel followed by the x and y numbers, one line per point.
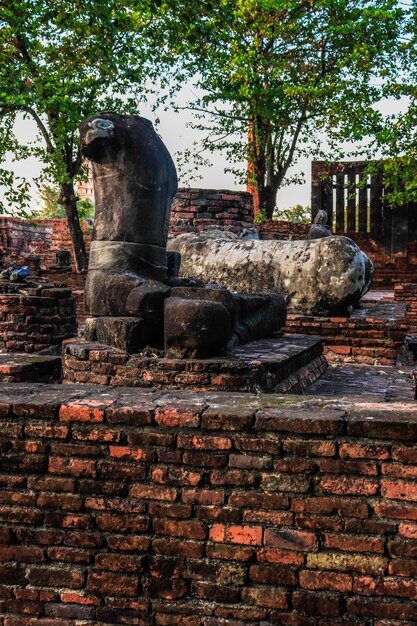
pixel 194 510
pixel 195 210
pixel 281 229
pixel 351 340
pixel 34 323
pixel 22 238
pixel 407 292
pixel 389 270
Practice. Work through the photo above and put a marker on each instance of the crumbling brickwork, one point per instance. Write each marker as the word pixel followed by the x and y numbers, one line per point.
pixel 195 210
pixel 156 509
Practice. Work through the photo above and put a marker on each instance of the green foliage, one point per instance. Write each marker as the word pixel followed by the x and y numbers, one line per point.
pixel 261 217
pixel 85 209
pixel 282 71
pixel 60 62
pixel 298 213
pixel 50 208
pixel 393 134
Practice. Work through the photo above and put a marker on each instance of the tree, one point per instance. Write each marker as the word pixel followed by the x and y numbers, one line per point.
pixel 60 62
pixel 281 71
pixel 395 137
pixel 50 208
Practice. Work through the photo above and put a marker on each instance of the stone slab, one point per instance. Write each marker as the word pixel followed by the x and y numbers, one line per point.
pixel 285 364
pixel 29 368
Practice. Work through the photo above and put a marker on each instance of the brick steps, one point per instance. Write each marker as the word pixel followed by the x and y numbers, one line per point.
pixel 370 336
pixel 17 368
pixel 288 364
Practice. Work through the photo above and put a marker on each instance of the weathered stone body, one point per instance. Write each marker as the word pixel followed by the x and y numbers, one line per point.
pixel 134 183
pixel 319 227
pixel 131 276
pixel 319 276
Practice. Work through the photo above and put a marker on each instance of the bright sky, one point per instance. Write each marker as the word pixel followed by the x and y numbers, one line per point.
pixel 175 134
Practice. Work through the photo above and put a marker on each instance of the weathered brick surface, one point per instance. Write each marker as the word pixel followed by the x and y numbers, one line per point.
pixel 107 519
pixel 30 323
pixel 195 210
pixel 20 239
pixel 366 341
pixel 284 365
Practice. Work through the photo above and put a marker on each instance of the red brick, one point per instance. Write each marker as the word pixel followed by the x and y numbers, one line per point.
pixel 218 514
pixel 318 604
pixel 74 467
pixel 399 490
pixel 128 542
pixel 403 567
pixel 215 593
pixel 175 547
pixel 408 530
pixel 202 496
pixel 117 522
pixel 153 492
pixel 370 607
pixel 310 447
pixel 354 450
pixel 45 577
pixel 112 584
pixel 245 535
pixel 176 476
pixel 82 411
pixel 174 418
pixel 199 442
pixel 344 485
pixel 131 454
pixel 354 543
pixel 69 555
pixel 165 588
pixel 120 562
pixel 259 500
pixel 266 597
pixel 368 586
pixel 404 454
pixel 62 501
pixel 396 511
pixel 290 539
pixel 326 581
pixel 349 507
pixel 284 557
pixel 21 554
pixel 190 529
pixel 229 552
pixel 272 575
pixel 232 477
pixel 274 518
pixel 399 470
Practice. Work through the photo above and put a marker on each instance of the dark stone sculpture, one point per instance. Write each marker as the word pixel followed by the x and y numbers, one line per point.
pixel 62 261
pixel 132 293
pixel 319 227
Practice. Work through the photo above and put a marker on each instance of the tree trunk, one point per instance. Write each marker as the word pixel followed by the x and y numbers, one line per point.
pixel 266 199
pixel 69 201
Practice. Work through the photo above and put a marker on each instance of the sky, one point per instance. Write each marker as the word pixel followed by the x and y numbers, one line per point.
pixel 177 136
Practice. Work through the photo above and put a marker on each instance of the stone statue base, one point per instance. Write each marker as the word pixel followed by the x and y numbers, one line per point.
pixel 288 364
pixel 189 322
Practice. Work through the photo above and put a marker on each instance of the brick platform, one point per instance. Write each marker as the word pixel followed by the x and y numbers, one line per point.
pixel 152 508
pixel 17 368
pixel 372 335
pixel 286 365
pixel 30 323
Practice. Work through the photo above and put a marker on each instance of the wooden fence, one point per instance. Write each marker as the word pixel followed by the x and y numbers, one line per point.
pixel 355 203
